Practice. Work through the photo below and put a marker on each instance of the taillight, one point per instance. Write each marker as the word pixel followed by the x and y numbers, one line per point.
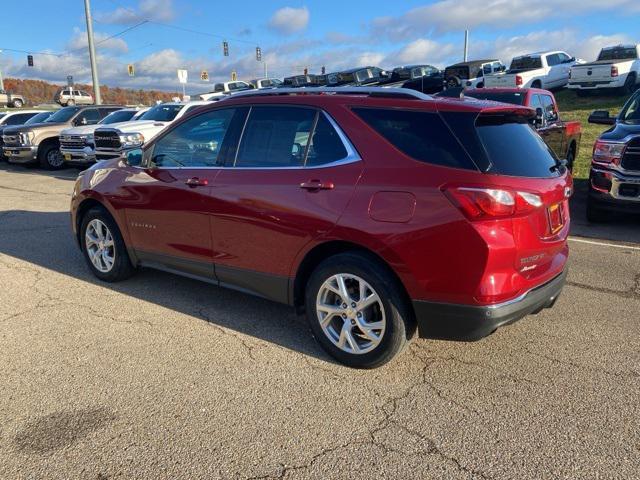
pixel 491 203
pixel 518 80
pixel 608 152
pixel 570 74
pixel 614 71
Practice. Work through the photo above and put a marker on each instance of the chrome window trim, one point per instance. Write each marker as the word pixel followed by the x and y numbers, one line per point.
pixel 352 154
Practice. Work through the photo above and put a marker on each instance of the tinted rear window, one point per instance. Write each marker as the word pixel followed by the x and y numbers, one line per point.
pixel 619 53
pixel 516 98
pixel 524 63
pixel 420 135
pixel 514 149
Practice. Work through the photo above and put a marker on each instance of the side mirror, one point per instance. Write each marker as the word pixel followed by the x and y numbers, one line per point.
pixel 134 157
pixel 602 117
pixel 539 119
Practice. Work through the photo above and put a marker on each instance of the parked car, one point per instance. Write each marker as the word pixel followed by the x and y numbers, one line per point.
pixel 616 67
pixel 114 141
pixel 562 137
pixel 614 180
pixel 361 76
pixel 77 145
pixel 225 88
pixel 297 81
pixel 422 78
pixel 8 99
pixel 374 210
pixel 260 83
pixel 546 70
pixel 12 119
pixel 39 142
pixel 471 74
pixel 68 97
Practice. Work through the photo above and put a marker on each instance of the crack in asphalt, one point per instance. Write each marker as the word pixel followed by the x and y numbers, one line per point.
pixel 633 292
pixel 24 190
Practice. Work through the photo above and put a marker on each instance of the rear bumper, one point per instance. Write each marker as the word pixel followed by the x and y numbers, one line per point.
pixel 468 322
pixel 21 154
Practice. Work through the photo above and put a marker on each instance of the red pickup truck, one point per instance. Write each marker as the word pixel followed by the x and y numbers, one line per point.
pixel 562 137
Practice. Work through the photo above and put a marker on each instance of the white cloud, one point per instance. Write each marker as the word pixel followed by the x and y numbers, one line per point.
pixel 422 50
pixel 458 15
pixel 102 41
pixel 289 20
pixel 155 10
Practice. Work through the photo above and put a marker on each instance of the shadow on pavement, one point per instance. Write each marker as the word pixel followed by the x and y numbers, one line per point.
pixel 621 228
pixel 69 173
pixel 45 239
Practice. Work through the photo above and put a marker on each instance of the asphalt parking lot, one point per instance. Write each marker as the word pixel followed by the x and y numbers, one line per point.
pixel 164 377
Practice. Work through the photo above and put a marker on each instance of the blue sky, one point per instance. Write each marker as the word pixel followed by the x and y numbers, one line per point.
pixel 294 35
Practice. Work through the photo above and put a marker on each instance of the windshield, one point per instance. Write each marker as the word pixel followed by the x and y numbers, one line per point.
pixel 162 113
pixel 40 117
pixel 631 111
pixel 619 53
pixel 523 63
pixel 117 116
pixel 515 98
pixel 63 115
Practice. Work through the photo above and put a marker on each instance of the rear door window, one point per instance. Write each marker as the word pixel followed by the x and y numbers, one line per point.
pixel 275 137
pixel 514 148
pixel 422 136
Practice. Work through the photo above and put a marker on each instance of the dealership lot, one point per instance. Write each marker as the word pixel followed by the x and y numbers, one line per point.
pixel 164 377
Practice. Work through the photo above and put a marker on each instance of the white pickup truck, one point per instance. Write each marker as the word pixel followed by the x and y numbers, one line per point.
pixel 114 142
pixel 536 70
pixel 225 88
pixel 616 67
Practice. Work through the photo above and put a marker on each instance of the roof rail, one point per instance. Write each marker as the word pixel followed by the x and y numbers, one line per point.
pixel 403 93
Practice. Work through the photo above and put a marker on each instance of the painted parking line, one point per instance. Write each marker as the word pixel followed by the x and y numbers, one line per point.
pixel 603 244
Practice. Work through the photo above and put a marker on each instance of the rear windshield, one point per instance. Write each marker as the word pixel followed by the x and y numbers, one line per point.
pixel 162 113
pixel 514 148
pixel 515 98
pixel 421 135
pixel 621 53
pixel 524 63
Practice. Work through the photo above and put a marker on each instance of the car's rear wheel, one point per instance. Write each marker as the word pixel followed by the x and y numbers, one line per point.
pixel 453 82
pixel 50 157
pixel 17 103
pixel 571 157
pixel 71 103
pixel 536 84
pixel 357 310
pixel 103 247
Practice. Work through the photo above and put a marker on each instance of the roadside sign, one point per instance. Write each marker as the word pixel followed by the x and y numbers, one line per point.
pixel 70 80
pixel 131 70
pixel 204 76
pixel 182 76
pixel 234 76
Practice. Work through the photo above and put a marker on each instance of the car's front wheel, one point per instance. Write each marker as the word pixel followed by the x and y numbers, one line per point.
pixel 50 158
pixel 17 103
pixel 357 310
pixel 103 247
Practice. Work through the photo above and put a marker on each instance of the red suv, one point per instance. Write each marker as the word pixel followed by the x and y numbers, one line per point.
pixel 376 211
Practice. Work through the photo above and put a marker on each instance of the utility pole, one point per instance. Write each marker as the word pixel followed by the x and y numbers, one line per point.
pixel 266 70
pixel 466 44
pixel 1 80
pixel 92 54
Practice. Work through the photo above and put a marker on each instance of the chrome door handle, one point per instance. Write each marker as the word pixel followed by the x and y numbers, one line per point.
pixel 317 185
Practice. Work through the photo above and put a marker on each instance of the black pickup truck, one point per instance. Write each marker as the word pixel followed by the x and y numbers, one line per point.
pixel 614 180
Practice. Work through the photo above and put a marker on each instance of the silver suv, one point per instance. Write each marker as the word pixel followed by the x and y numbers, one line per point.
pixel 68 97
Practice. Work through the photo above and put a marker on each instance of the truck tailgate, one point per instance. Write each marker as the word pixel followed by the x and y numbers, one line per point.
pixel 501 80
pixel 591 73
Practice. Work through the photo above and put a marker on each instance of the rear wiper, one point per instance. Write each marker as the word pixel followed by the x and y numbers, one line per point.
pixel 559 166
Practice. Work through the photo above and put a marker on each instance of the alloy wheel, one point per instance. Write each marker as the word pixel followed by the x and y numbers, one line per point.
pixel 351 313
pixel 100 246
pixel 54 158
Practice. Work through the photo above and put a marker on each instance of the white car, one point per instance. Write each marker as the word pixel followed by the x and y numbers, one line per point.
pixel 616 67
pixel 261 83
pixel 76 144
pixel 225 88
pixel 113 141
pixel 535 70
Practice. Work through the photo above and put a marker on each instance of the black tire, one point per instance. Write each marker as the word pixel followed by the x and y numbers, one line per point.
pixel 17 104
pixel 571 156
pixel 122 267
pixel 50 158
pixel 595 213
pixel 536 84
pixel 399 317
pixel 453 82
pixel 480 85
pixel 629 84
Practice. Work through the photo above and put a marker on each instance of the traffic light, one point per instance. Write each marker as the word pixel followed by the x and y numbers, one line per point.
pixel 324 70
pixel 131 70
pixel 258 54
pixel 30 60
pixel 306 71
pixel 225 48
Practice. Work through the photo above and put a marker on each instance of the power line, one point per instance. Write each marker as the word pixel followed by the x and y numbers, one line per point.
pixel 110 37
